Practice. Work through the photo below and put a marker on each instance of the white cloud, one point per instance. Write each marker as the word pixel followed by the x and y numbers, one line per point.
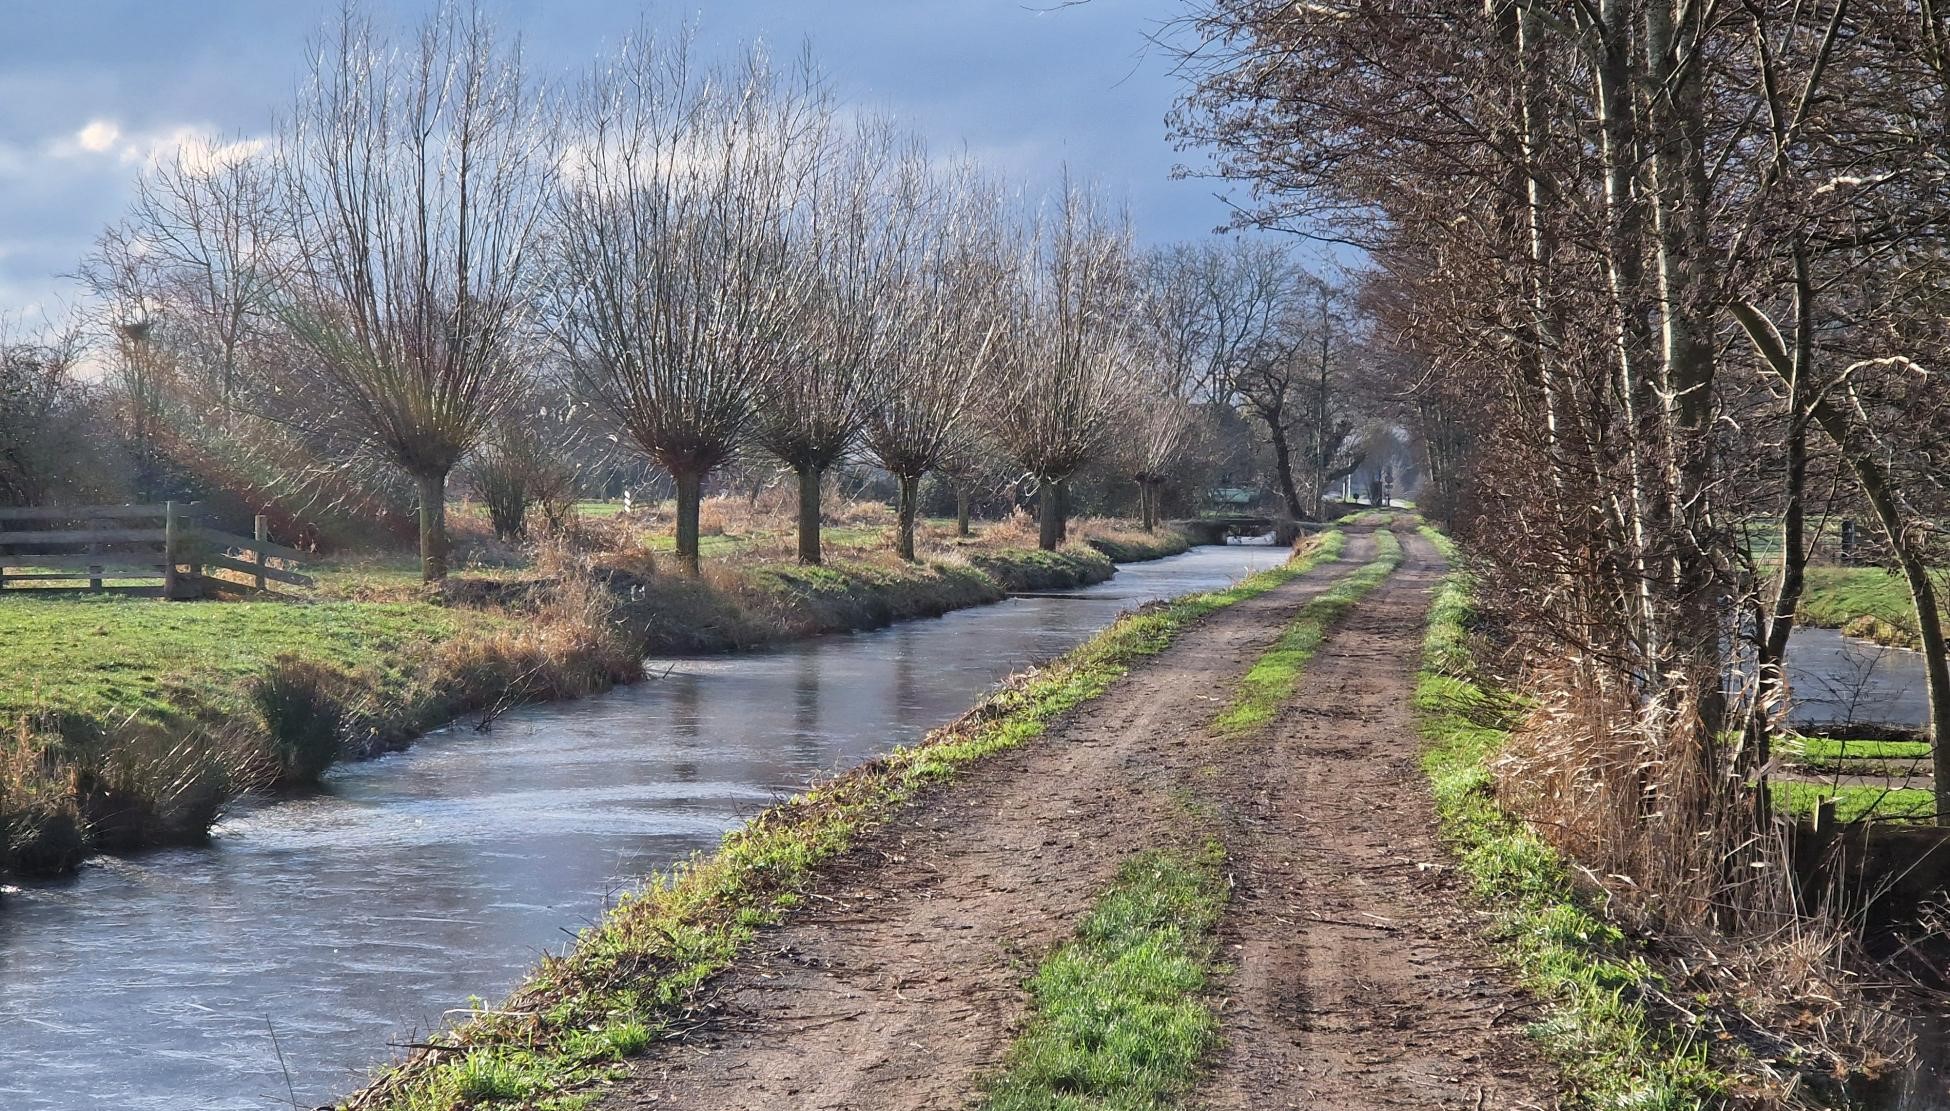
pixel 97 136
pixel 199 145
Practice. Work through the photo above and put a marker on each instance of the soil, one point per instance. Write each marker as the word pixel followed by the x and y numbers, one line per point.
pixel 1356 981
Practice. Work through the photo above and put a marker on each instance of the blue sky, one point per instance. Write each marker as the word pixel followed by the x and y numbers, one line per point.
pixel 90 89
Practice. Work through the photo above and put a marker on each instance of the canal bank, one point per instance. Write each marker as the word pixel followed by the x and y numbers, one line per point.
pixel 356 918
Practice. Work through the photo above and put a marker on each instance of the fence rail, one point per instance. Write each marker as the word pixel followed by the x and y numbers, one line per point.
pixel 177 550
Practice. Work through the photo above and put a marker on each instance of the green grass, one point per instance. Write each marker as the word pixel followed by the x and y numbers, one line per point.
pixel 1826 748
pixel 1856 803
pixel 112 658
pixel 1614 1052
pixel 1862 601
pixel 1118 1019
pixel 1276 674
pixel 641 965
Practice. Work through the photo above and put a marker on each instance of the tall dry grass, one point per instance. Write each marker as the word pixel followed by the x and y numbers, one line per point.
pixel 1678 851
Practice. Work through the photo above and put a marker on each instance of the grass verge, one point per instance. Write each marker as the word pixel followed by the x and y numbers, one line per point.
pixel 1274 676
pixel 1856 803
pixel 1867 602
pixel 1613 1051
pixel 1117 1017
pixel 629 977
pixel 129 723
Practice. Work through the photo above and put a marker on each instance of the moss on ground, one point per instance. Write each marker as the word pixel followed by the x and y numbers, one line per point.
pixel 641 967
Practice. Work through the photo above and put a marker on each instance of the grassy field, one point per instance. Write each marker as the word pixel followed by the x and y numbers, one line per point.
pixel 1861 601
pixel 107 658
pixel 127 722
pixel 1857 803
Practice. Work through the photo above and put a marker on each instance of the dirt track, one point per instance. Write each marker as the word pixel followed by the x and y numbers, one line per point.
pixel 905 983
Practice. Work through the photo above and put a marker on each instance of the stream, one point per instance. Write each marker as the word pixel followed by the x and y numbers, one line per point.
pixel 343 921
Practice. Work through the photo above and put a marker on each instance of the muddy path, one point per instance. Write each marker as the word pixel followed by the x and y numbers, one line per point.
pixel 1358 980
pixel 904 982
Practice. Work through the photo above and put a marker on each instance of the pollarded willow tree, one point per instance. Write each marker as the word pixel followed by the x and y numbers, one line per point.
pixel 1069 349
pixel 679 288
pixel 413 182
pixel 943 323
pixel 817 400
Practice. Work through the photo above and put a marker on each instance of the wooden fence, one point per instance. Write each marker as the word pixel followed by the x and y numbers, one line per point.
pixel 131 545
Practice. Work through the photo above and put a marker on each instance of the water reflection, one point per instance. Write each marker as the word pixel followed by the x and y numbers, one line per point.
pixel 360 915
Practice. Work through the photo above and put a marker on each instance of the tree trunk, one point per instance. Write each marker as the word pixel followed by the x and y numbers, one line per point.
pixel 961 513
pixel 1063 511
pixel 809 549
pixel 910 497
pixel 1879 488
pixel 690 493
pixel 1145 519
pixel 433 526
pixel 1283 467
pixel 1049 512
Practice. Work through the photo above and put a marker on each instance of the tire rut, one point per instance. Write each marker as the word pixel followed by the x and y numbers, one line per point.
pixel 905 983
pixel 1356 980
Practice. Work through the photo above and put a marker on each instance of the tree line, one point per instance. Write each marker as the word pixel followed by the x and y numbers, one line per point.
pixel 1659 284
pixel 441 263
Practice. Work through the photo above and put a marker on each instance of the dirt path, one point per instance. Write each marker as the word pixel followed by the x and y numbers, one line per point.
pixel 906 983
pixel 1358 982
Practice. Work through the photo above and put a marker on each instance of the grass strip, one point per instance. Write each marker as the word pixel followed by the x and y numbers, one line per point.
pixel 1856 802
pixel 629 977
pixel 1615 1054
pixel 1118 1018
pixel 1829 748
pixel 1276 674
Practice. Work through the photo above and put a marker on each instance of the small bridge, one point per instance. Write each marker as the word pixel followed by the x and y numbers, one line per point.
pixel 1219 528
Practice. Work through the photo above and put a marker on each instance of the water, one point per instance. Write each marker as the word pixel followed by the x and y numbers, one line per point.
pixel 1844 680
pixel 356 917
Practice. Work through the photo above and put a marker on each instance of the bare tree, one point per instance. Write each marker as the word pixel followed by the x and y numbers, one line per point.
pixel 677 294
pixel 944 323
pixel 817 400
pixel 1070 349
pixel 1215 322
pixel 43 415
pixel 216 250
pixel 414 178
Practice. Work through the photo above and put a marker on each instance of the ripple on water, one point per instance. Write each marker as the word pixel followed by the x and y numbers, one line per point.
pixel 351 918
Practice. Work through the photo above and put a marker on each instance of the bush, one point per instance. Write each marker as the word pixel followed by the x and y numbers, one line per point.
pixel 303 719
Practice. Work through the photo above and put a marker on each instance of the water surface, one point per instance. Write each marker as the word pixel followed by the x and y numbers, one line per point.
pixel 357 917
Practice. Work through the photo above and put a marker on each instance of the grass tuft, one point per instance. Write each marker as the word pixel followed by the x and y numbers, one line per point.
pixel 1118 1019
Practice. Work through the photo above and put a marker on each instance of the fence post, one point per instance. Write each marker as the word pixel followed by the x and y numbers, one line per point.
pixel 263 533
pixel 169 551
pixel 95 568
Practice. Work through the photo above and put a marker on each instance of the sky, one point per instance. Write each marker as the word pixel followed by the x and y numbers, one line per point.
pixel 91 90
